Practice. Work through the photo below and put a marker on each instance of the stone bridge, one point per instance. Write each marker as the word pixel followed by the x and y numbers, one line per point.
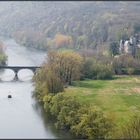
pixel 16 69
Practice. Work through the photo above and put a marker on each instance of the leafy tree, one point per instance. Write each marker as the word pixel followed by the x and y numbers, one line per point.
pixel 114 48
pixel 60 68
pixel 67 65
pixel 62 40
pixel 47 81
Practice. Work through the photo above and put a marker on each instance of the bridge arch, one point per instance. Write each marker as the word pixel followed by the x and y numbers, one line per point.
pixel 7 75
pixel 25 74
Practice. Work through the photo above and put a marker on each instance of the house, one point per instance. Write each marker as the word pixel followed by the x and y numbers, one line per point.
pixel 130 46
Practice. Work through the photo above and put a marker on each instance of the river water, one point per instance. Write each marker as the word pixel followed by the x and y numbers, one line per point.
pixel 21 116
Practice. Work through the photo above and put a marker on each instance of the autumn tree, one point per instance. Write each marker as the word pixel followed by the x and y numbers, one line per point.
pixel 60 68
pixel 67 64
pixel 62 40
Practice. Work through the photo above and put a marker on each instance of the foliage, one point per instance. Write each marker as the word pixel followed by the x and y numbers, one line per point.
pixel 88 25
pixel 41 88
pixel 60 69
pixel 67 65
pixel 125 62
pixel 3 57
pixel 132 129
pixel 92 124
pixel 61 40
pixel 70 115
pixel 46 81
pixel 114 48
pixel 96 69
pixel 130 71
pixel 119 97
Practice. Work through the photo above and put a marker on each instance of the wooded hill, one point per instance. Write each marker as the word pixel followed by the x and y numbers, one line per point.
pixel 76 25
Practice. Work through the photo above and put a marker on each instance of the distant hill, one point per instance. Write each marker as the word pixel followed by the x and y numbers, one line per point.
pixel 76 25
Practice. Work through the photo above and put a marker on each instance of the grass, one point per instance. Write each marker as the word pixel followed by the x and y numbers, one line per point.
pixel 119 97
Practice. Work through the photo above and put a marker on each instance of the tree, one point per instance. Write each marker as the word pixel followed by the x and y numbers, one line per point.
pixel 114 48
pixel 60 68
pixel 62 40
pixel 3 57
pixel 67 65
pixel 47 81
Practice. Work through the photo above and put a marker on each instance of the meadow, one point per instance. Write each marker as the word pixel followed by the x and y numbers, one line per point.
pixel 119 97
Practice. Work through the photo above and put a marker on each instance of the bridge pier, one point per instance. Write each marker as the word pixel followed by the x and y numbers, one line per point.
pixel 16 76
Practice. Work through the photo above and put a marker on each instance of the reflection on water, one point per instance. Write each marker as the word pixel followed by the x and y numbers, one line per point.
pixel 20 116
pixel 7 75
pixel 23 75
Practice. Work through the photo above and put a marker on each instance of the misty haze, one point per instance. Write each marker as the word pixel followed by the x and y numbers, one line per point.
pixel 70 69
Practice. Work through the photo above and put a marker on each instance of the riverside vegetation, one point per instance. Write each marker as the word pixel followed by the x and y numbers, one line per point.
pixel 84 96
pixel 3 57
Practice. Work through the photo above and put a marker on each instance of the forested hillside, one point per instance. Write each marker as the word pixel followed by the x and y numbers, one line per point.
pixel 76 25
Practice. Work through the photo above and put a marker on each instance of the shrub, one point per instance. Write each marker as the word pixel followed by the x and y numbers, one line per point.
pixel 132 128
pixel 94 69
pixel 104 71
pixel 130 71
pixel 93 124
pixel 71 115
pixel 125 62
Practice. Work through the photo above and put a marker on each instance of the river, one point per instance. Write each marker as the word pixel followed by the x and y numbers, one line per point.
pixel 21 116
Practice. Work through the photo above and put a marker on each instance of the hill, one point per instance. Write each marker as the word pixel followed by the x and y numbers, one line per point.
pixel 76 25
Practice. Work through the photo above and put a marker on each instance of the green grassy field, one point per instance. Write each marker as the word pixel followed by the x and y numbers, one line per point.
pixel 119 97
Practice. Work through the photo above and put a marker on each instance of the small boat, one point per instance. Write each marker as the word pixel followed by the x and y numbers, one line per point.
pixel 9 96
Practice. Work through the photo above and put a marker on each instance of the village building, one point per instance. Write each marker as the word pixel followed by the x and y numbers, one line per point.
pixel 130 46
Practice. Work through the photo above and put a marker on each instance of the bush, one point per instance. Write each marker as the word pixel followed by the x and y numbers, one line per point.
pixel 125 64
pixel 87 71
pixel 92 124
pixel 104 71
pixel 94 69
pixel 3 59
pixel 132 128
pixel 71 115
pixel 130 71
